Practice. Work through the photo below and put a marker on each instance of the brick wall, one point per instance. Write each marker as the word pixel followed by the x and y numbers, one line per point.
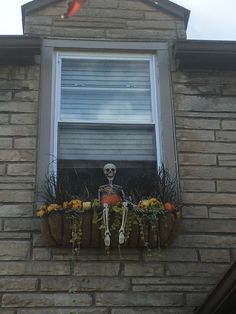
pixel 37 279
pixel 107 19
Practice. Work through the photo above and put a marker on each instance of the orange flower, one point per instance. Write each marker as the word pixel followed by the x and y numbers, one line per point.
pixel 66 205
pixel 169 207
pixel 53 207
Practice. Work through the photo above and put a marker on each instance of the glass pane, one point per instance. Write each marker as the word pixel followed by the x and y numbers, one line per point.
pixel 106 90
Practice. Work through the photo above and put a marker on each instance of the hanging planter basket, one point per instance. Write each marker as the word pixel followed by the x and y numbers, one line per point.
pixel 57 227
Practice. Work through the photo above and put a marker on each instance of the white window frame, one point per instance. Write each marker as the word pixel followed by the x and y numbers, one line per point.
pixel 60 55
pixel 165 137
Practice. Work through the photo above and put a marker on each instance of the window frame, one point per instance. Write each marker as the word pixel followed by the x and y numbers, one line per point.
pixel 163 109
pixel 60 55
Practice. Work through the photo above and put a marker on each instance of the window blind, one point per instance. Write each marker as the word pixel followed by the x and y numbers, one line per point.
pixel 106 90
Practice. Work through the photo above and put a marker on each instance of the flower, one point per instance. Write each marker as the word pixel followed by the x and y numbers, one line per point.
pixel 169 207
pixel 76 204
pixel 53 207
pixel 154 202
pixel 86 205
pixel 143 204
pixel 40 213
pixel 66 205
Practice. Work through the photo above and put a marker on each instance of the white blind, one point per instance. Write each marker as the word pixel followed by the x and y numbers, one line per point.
pixel 106 90
pixel 97 91
pixel 103 143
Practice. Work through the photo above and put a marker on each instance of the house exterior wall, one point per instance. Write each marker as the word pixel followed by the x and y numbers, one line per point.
pixel 109 19
pixel 37 279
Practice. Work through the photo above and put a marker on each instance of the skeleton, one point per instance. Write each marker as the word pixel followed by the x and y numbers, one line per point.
pixel 109 194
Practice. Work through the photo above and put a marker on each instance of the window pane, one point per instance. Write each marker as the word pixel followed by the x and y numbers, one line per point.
pixel 106 143
pixel 106 90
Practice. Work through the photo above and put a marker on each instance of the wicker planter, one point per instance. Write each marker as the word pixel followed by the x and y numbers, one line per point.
pixel 56 230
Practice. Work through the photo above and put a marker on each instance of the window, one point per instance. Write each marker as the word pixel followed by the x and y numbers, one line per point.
pixel 106 110
pixel 105 101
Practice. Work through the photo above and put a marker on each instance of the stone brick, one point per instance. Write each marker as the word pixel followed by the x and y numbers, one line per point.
pixel 80 284
pixel 161 24
pixel 197 159
pixel 14 250
pixel 40 20
pixel 197 89
pixel 175 310
pixel 203 103
pixel 229 124
pixel 5 142
pixel 157 15
pixel 19 210
pixel 209 226
pixel 194 212
pixel 45 300
pixel 18 284
pixel 205 172
pixel 226 136
pixel 198 186
pixel 41 254
pixel 171 288
pixel 16 106
pixel 195 299
pixel 97 269
pixel 226 186
pixel 15 235
pixel 40 268
pixel 222 212
pixel 25 142
pixel 191 123
pixel 16 196
pixel 16 130
pixel 140 34
pixel 139 299
pixel 26 95
pixel 17 186
pixel 3 118
pixel 7 311
pixel 17 155
pixel 2 170
pixel 5 96
pixel 26 224
pixel 172 255
pixel 209 198
pixel 195 135
pixel 175 280
pixel 195 269
pixel 227 160
pixel 207 147
pixel 76 32
pixel 206 241
pixel 214 256
pixel 24 118
pixel 21 169
pixel 109 4
pixel 141 269
pixel 135 5
pixel 71 310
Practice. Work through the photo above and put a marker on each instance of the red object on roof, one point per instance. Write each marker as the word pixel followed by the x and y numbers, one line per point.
pixel 73 8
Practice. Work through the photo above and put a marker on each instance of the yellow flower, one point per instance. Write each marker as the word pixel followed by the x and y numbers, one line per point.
pixel 53 207
pixel 76 204
pixel 66 205
pixel 40 213
pixel 86 205
pixel 143 204
pixel 154 202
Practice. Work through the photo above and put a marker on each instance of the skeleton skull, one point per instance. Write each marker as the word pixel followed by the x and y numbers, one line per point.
pixel 109 171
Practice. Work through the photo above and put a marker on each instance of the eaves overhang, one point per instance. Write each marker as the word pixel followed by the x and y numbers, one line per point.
pixel 205 54
pixel 19 50
pixel 164 5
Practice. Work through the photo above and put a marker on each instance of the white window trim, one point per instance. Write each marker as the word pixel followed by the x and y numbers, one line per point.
pixel 155 120
pixel 163 109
